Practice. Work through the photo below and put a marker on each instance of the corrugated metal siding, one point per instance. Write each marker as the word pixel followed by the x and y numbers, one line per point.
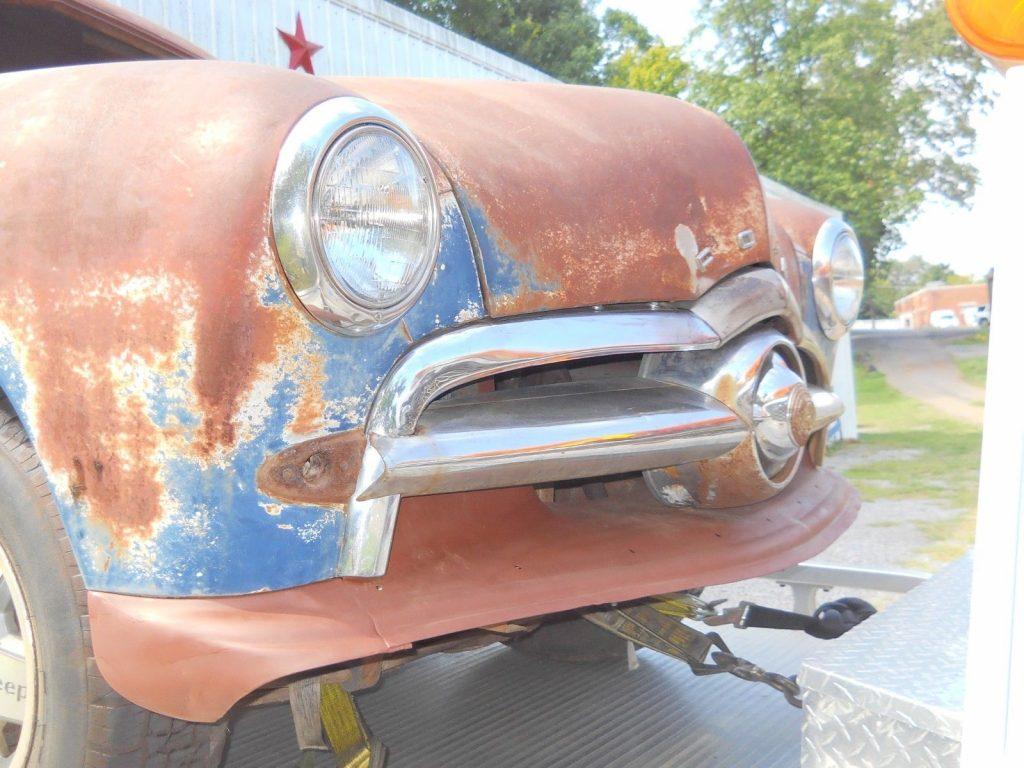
pixel 359 37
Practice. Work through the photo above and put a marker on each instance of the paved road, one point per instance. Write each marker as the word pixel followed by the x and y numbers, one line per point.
pixel 920 366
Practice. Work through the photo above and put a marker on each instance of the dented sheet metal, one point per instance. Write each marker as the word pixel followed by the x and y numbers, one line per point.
pixel 459 562
pixel 582 196
pixel 147 338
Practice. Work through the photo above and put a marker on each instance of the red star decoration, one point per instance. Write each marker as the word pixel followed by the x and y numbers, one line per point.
pixel 301 49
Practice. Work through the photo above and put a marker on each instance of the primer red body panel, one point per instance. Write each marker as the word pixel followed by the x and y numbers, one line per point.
pixel 459 561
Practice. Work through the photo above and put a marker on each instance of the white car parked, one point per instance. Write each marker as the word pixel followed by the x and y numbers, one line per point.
pixel 977 316
pixel 944 318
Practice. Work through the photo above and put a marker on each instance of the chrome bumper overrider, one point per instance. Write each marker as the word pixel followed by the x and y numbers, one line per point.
pixel 417 444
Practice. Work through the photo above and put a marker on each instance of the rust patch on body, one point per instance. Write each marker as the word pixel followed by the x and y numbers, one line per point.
pixel 237 341
pixel 583 190
pixel 784 255
pixel 320 471
pixel 137 268
pixel 310 407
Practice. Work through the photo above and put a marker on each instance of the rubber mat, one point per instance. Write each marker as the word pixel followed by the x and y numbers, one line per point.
pixel 498 707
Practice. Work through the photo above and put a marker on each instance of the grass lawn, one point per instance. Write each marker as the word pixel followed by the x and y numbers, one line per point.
pixel 925 455
pixel 973 369
pixel 980 336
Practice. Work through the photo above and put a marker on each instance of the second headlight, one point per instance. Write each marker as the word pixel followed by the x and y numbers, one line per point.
pixel 838 277
pixel 355 215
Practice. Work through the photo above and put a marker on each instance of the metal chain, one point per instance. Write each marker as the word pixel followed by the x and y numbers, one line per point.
pixel 746 670
pixel 658 625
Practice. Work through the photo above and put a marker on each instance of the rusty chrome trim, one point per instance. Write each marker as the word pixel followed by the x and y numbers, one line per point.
pixel 827 407
pixel 760 378
pixel 735 375
pixel 294 224
pixel 489 347
pixel 369 524
pixel 744 300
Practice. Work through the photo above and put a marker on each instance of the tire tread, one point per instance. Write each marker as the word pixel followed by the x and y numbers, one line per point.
pixel 120 734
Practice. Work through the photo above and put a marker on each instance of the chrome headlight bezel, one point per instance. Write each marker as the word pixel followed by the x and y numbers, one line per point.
pixel 833 322
pixel 294 221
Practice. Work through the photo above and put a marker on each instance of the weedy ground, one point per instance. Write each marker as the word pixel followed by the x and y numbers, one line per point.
pixel 973 369
pixel 911 453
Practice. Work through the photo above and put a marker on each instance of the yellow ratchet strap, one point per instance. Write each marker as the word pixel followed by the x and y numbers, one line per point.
pixel 679 605
pixel 350 739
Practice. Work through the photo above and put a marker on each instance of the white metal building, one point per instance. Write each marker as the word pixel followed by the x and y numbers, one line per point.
pixel 359 37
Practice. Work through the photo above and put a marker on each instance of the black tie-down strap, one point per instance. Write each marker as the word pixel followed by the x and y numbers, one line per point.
pixel 831 620
pixel 657 624
pixel 645 625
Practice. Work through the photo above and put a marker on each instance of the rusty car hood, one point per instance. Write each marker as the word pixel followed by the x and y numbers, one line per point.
pixel 583 196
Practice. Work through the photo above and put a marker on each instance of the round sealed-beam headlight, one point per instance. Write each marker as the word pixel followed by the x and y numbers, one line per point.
pixel 355 215
pixel 838 277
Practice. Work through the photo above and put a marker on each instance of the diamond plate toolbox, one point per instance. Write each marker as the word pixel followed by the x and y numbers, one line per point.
pixel 890 693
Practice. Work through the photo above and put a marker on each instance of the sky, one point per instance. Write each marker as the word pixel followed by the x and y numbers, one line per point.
pixel 940 232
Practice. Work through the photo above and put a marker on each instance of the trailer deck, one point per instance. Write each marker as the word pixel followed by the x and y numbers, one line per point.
pixel 496 706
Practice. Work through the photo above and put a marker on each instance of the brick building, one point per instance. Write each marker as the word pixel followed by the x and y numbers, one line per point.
pixel 915 310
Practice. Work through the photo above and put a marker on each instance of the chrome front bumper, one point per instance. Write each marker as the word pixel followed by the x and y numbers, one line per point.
pixel 418 444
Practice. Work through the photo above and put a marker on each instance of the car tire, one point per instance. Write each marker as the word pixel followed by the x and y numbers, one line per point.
pixel 75 719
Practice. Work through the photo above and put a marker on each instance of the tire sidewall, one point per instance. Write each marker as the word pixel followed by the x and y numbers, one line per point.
pixel 39 552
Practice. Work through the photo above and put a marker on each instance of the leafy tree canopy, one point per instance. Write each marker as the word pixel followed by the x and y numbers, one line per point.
pixel 862 104
pixel 634 58
pixel 560 37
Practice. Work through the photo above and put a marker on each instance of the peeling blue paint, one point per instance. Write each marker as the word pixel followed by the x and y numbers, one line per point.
pixel 219 534
pixel 453 296
pixel 505 278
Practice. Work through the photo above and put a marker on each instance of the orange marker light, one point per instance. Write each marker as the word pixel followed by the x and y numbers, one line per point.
pixel 994 27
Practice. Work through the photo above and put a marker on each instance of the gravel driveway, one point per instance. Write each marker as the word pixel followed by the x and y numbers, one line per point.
pixel 920 366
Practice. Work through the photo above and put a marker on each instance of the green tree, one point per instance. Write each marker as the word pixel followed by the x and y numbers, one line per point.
pixel 659 69
pixel 862 104
pixel 622 31
pixel 560 37
pixel 634 58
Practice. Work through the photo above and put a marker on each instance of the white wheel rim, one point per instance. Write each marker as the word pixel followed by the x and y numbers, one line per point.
pixel 17 671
